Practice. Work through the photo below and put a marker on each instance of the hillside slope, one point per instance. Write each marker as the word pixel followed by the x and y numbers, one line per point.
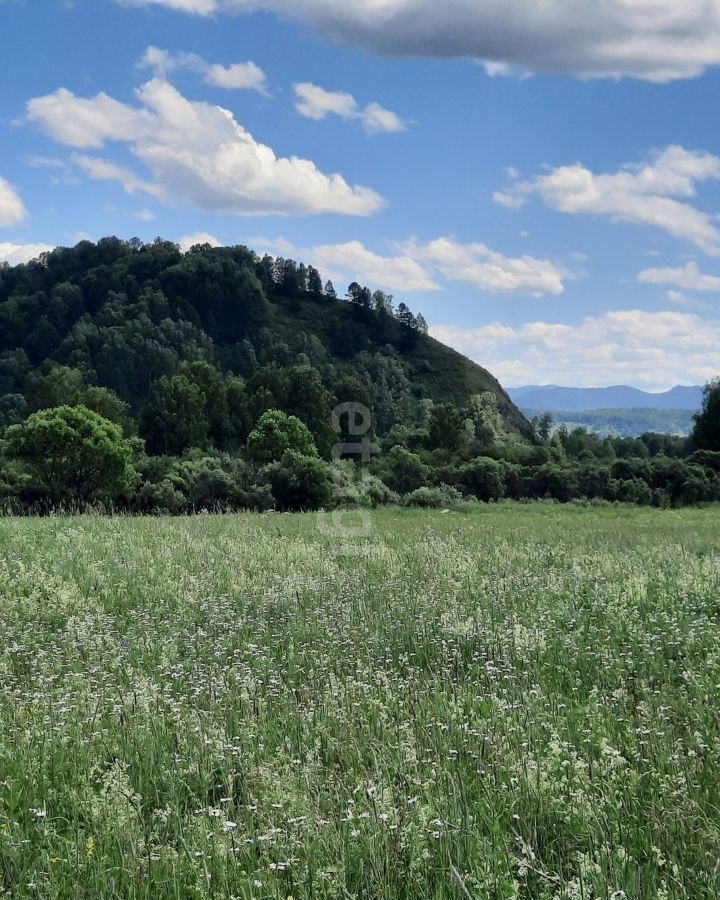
pixel 125 314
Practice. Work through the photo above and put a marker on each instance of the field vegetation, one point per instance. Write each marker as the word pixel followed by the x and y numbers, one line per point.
pixel 514 702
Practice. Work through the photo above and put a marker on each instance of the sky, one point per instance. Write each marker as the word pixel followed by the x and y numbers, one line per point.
pixel 539 178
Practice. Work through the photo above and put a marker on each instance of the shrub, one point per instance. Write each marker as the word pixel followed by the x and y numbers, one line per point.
pixel 275 433
pixel 300 482
pixel 73 454
pixel 433 498
pixel 483 477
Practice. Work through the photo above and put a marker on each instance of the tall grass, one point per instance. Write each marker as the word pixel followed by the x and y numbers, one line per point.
pixel 514 702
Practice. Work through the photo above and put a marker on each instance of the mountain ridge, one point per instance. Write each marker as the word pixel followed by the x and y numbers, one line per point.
pixel 548 398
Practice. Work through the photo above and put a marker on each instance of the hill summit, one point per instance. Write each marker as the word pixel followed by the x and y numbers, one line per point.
pixel 120 316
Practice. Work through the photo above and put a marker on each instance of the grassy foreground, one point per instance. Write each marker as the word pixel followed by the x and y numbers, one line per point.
pixel 515 702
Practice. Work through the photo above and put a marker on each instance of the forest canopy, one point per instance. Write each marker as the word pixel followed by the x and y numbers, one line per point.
pixel 209 379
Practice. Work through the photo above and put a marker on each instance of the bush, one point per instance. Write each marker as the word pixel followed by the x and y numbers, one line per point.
pixel 404 471
pixel 300 482
pixel 275 433
pixel 73 454
pixel 483 477
pixel 440 497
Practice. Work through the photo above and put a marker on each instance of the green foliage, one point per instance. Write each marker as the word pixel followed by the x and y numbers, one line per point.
pixel 73 454
pixel 197 348
pixel 442 497
pixel 404 471
pixel 54 385
pixel 706 433
pixel 484 479
pixel 446 428
pixel 300 482
pixel 174 418
pixel 276 433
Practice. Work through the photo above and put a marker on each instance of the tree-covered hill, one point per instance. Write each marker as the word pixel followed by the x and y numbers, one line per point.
pixel 138 320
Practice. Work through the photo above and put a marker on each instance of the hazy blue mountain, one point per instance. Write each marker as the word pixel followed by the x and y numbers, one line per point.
pixel 551 397
pixel 624 422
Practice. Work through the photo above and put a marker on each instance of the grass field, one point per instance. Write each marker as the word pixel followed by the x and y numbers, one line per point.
pixel 516 702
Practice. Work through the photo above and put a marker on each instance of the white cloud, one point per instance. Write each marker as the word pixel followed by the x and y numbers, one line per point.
pixel 419 267
pixel 688 277
pixel 199 237
pixel 239 76
pixel 14 254
pixel 60 171
pixel 655 40
pixel 164 63
pixel 12 209
pixel 376 119
pixel 653 349
pixel 197 153
pixel 677 298
pixel 395 273
pixel 314 102
pixel 641 194
pixel 491 271
pixel 145 215
pixel 193 7
pixel 86 123
pixel 106 170
pixel 509 201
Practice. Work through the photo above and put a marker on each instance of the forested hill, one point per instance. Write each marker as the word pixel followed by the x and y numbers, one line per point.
pixel 139 331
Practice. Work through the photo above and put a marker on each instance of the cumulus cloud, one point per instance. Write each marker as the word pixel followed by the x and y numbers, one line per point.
pixel 199 237
pixel 654 349
pixel 12 209
pixel 688 277
pixel 314 102
pixel 14 254
pixel 395 273
pixel 641 194
pixel 197 154
pixel 490 271
pixel 654 40
pixel 415 267
pixel 239 76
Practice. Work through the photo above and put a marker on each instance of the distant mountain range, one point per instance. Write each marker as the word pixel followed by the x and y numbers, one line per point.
pixel 542 398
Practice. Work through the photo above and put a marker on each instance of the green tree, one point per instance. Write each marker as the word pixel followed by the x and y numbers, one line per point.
pixel 314 281
pixel 483 477
pixel 174 417
pixel 73 454
pixel 405 471
pixel 55 385
pixel 275 433
pixel 299 481
pixel 706 433
pixel 446 429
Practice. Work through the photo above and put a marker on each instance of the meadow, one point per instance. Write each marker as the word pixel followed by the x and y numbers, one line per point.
pixel 518 701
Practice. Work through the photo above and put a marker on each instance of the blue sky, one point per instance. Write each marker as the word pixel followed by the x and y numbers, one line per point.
pixel 540 180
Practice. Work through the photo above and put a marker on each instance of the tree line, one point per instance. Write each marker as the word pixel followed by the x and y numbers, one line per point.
pixel 135 375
